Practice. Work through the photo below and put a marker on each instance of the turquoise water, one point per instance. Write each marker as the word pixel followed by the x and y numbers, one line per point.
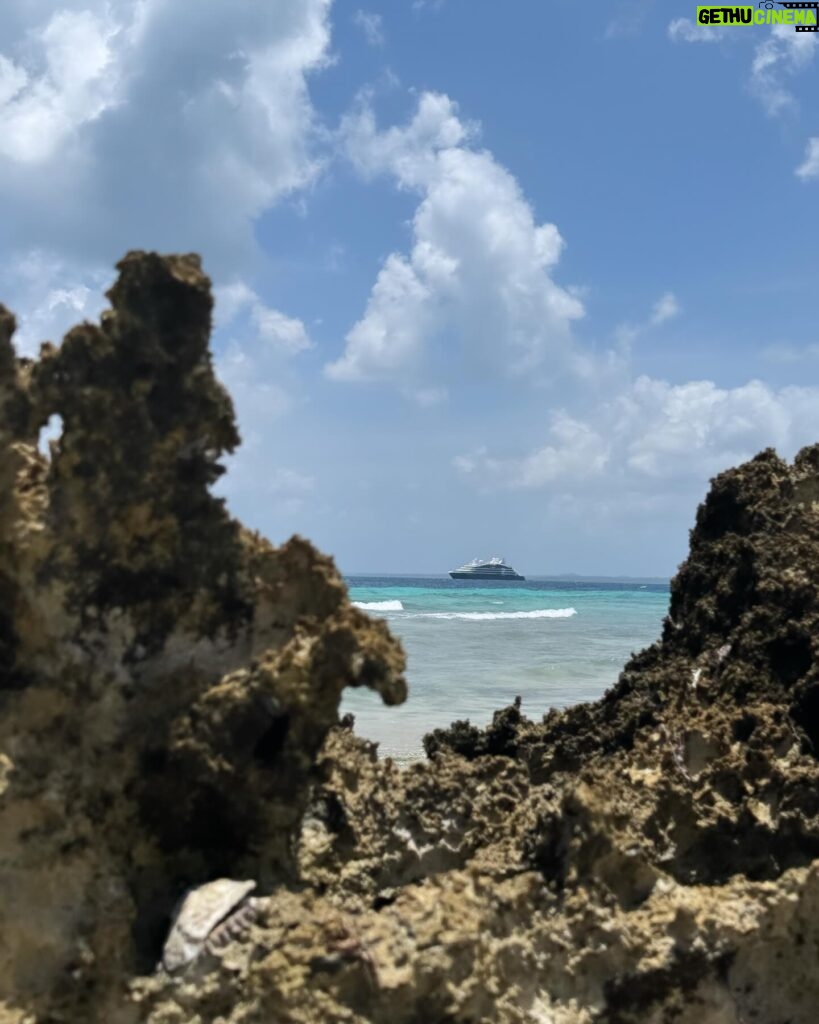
pixel 472 647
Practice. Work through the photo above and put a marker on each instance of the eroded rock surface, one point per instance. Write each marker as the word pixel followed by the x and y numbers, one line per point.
pixel 166 677
pixel 168 717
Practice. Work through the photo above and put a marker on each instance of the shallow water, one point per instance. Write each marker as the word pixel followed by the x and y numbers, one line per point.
pixel 472 647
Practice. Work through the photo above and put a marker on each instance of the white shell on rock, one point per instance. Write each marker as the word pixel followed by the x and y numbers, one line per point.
pixel 202 910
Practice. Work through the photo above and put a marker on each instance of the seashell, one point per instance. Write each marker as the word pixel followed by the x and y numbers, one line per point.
pixel 207 912
pixel 234 926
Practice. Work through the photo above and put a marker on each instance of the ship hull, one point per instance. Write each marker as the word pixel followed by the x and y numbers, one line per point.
pixel 485 576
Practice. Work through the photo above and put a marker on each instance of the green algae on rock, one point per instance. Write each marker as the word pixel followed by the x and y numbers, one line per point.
pixel 169 689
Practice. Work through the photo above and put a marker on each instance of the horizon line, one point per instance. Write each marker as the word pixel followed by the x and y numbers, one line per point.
pixel 534 575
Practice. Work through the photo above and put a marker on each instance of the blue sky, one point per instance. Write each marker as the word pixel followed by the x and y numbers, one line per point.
pixel 491 279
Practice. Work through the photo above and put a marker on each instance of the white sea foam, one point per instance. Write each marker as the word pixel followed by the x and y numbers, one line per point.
pixel 538 613
pixel 380 606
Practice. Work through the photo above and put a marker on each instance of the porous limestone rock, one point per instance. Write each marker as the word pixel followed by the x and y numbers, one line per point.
pixel 168 716
pixel 166 677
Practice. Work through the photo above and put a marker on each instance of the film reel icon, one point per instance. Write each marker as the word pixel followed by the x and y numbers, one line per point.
pixel 799 6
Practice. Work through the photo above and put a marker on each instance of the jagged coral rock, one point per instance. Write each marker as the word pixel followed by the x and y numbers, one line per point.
pixel 168 716
pixel 500 737
pixel 166 677
pixel 651 857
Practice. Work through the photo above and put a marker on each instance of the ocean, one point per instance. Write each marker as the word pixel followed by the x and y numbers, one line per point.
pixel 473 647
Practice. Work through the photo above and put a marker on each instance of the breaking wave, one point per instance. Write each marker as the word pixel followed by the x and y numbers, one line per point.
pixel 538 613
pixel 380 606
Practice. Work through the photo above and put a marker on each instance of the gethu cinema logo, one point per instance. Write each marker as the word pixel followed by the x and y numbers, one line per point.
pixel 803 16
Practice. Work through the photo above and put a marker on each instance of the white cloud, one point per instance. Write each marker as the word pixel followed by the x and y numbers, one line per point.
pixel 665 308
pixel 262 397
pixel 159 125
pixel 255 345
pixel 683 30
pixel 282 333
pixel 412 151
pixel 667 431
pixel 372 25
pixel 49 297
pixel 809 168
pixel 575 452
pixel 78 80
pixel 655 431
pixel 232 299
pixel 783 54
pixel 13 80
pixel 478 273
pixel 171 125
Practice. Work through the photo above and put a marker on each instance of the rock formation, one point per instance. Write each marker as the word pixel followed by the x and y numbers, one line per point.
pixel 167 678
pixel 169 690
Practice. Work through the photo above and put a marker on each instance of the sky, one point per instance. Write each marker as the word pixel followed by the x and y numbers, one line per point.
pixel 491 279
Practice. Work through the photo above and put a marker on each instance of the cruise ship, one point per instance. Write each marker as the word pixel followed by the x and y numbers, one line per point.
pixel 479 569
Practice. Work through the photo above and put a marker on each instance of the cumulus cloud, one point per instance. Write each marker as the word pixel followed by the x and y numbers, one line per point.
pixel 479 272
pixel 171 125
pixel 809 168
pixel 372 25
pixel 697 428
pixel 576 451
pixel 77 78
pixel 656 432
pixel 782 55
pixel 161 125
